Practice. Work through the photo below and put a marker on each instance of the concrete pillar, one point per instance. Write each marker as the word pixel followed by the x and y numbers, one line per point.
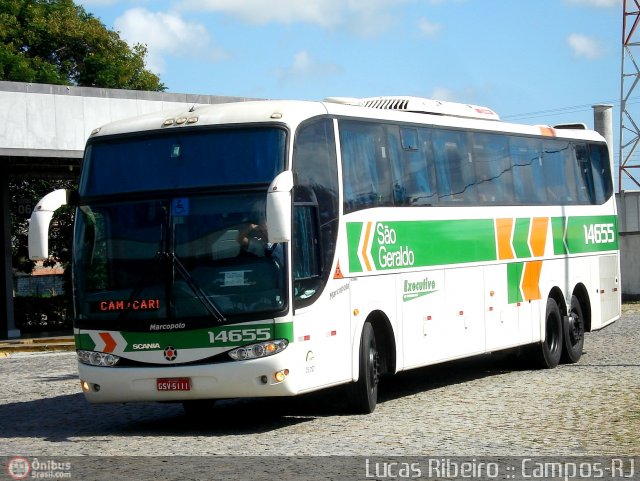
pixel 7 325
pixel 603 124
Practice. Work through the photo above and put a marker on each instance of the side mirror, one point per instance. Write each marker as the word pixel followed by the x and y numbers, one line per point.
pixel 39 223
pixel 279 208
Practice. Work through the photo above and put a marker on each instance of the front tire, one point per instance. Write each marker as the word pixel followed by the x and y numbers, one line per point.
pixel 573 333
pixel 549 350
pixel 363 394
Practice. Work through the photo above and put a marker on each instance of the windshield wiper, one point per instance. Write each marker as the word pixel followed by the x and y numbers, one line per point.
pixel 207 302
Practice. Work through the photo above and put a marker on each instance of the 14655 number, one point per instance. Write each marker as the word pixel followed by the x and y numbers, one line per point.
pixel 599 233
pixel 240 335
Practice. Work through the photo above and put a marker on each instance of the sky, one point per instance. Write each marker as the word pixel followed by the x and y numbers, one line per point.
pixel 531 61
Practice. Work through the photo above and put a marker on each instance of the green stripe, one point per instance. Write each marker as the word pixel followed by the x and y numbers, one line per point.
pixel 219 336
pixel 406 244
pixel 521 238
pixel 514 277
pixel 283 330
pixel 585 234
pixel 557 228
pixel 353 239
pixel 84 341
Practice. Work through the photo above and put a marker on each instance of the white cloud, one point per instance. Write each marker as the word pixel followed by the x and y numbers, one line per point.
pixel 443 93
pixel 584 46
pixel 596 3
pixel 363 16
pixel 427 28
pixel 97 2
pixel 304 67
pixel 164 33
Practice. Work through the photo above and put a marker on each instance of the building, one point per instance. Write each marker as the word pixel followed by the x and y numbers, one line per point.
pixel 43 129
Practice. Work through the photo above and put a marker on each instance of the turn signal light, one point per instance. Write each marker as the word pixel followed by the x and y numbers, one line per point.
pixel 280 376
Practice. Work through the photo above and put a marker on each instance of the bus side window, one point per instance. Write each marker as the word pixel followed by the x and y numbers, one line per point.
pixel 584 175
pixel 418 165
pixel 559 172
pixel 397 168
pixel 601 169
pixel 528 177
pixel 454 167
pixel 316 206
pixel 306 259
pixel 493 168
pixel 365 166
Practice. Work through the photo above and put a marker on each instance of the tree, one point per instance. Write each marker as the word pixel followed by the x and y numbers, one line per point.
pixel 58 42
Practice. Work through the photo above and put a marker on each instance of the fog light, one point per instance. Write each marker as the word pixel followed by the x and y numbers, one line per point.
pixel 280 376
pixel 85 386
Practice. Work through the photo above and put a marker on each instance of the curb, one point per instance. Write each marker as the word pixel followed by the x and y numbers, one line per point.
pixel 36 345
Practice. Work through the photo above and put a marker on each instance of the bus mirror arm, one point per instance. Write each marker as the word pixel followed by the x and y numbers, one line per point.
pixel 39 223
pixel 279 208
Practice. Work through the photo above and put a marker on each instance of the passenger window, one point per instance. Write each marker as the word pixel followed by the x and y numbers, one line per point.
pixel 365 166
pixel 601 169
pixel 559 172
pixel 584 175
pixel 493 168
pixel 409 138
pixel 454 168
pixel 528 176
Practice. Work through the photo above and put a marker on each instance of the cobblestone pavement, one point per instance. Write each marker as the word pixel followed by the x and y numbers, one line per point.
pixel 487 405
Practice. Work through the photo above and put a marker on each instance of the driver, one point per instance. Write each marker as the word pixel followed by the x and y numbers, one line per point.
pixel 253 239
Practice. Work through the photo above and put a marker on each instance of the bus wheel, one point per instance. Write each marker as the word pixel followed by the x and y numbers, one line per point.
pixel 573 333
pixel 550 349
pixel 198 408
pixel 363 394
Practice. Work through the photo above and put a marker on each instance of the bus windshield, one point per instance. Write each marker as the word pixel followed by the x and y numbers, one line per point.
pixel 182 160
pixel 198 256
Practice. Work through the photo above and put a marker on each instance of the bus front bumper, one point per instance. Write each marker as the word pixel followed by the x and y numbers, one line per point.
pixel 270 376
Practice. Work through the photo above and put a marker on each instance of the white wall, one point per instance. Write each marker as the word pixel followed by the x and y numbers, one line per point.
pixel 629 228
pixel 40 120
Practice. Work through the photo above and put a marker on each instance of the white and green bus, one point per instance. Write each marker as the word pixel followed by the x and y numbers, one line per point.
pixel 273 248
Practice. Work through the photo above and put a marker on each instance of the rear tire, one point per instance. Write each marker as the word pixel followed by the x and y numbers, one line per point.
pixel 573 333
pixel 549 350
pixel 363 394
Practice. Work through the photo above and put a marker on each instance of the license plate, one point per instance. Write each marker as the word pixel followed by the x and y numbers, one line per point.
pixel 173 384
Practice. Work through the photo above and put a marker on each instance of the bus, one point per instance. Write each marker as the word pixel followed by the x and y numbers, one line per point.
pixel 274 248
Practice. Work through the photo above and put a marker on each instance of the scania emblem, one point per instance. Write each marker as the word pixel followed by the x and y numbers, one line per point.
pixel 170 353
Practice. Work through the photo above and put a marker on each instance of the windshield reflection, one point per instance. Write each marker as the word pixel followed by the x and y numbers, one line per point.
pixel 191 256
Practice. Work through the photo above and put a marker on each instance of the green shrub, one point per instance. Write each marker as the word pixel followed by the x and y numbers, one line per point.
pixel 38 314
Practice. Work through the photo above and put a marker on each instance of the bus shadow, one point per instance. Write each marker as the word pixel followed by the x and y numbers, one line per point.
pixel 66 418
pixel 70 418
pixel 452 372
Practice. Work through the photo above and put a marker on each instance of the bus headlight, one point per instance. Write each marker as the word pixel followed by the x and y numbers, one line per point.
pixel 94 358
pixel 262 349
